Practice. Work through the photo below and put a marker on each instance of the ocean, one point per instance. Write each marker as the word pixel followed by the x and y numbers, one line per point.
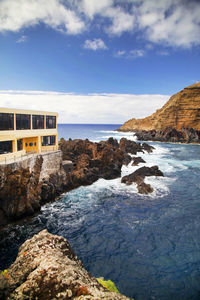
pixel 148 245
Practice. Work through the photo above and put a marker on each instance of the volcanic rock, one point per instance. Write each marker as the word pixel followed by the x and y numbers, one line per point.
pixel 137 160
pixel 98 160
pixel 169 134
pixel 138 177
pixel 47 268
pixel 27 184
pixel 181 111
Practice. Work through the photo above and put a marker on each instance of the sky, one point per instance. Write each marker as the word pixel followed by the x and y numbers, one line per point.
pixel 97 61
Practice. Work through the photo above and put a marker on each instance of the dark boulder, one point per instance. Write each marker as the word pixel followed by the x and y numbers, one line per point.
pixel 137 160
pixel 138 177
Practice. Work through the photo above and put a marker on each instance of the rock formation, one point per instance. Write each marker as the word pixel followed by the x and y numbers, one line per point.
pixel 98 160
pixel 27 184
pixel 181 111
pixel 169 134
pixel 138 177
pixel 47 268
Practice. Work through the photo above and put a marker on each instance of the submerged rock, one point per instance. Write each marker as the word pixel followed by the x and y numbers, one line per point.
pixel 47 268
pixel 137 160
pixel 138 177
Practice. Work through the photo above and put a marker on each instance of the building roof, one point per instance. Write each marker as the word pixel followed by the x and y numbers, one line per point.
pixel 25 111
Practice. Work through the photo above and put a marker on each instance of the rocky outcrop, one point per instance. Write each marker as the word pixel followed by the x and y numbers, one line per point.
pixel 181 111
pixel 47 268
pixel 27 184
pixel 137 161
pixel 98 160
pixel 138 177
pixel 185 135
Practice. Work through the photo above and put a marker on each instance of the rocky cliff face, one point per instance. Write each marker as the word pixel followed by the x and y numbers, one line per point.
pixel 47 268
pixel 181 111
pixel 27 184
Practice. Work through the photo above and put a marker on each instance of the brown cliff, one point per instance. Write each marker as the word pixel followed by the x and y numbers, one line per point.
pixel 181 111
pixel 27 184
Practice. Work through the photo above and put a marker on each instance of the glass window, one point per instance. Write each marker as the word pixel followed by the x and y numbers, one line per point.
pixel 23 121
pixel 48 140
pixel 38 122
pixel 6 121
pixel 50 121
pixel 19 145
pixel 5 147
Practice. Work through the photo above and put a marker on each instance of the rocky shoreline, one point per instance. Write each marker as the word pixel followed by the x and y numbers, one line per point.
pixel 169 134
pixel 26 185
pixel 47 268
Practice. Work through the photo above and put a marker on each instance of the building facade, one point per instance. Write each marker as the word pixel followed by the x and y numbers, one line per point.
pixel 27 131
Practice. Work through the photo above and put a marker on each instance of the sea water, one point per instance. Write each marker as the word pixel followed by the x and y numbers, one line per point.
pixel 148 245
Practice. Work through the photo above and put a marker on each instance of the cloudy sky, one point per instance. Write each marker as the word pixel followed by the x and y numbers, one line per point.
pixel 97 61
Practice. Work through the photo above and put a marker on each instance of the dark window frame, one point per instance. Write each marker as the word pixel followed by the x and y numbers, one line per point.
pixel 37 121
pixel 6 147
pixel 23 121
pixel 49 140
pixel 50 122
pixel 6 121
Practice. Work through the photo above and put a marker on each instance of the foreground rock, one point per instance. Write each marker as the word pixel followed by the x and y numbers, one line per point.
pixel 98 160
pixel 169 134
pixel 47 268
pixel 138 177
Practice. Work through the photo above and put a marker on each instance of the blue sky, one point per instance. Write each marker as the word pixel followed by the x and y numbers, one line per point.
pixel 116 59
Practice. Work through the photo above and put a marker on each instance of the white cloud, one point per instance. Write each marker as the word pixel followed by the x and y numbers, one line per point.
pixel 22 39
pixel 92 7
pixel 173 23
pixel 15 15
pixel 121 21
pixel 96 44
pixel 176 23
pixel 136 53
pixel 163 53
pixel 92 108
pixel 120 53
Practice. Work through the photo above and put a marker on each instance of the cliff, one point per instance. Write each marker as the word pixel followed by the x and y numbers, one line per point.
pixel 181 111
pixel 27 184
pixel 47 268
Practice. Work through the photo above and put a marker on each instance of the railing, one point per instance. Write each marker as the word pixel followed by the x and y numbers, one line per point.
pixel 16 158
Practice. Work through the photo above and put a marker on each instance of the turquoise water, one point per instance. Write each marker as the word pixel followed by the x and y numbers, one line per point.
pixel 148 245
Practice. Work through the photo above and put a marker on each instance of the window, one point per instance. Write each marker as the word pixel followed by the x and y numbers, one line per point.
pixel 38 122
pixel 6 121
pixel 48 140
pixel 19 145
pixel 50 121
pixel 23 121
pixel 5 147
